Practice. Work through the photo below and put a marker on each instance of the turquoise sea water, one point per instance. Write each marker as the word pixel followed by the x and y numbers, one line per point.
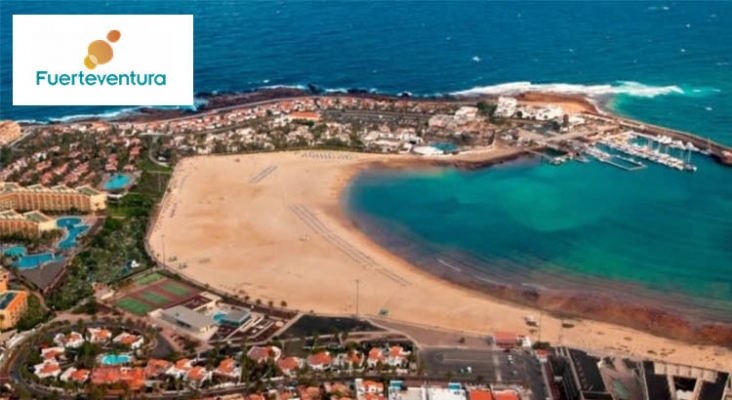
pixel 587 225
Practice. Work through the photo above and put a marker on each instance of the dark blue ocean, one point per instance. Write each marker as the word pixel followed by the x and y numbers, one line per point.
pixel 668 63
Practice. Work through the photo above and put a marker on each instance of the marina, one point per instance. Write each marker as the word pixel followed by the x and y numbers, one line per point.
pixel 654 149
pixel 627 150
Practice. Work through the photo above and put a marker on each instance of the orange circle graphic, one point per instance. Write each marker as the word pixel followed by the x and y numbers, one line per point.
pixel 101 50
pixel 113 35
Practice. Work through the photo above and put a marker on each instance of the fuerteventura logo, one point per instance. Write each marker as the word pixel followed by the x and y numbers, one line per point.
pixel 100 51
pixel 142 73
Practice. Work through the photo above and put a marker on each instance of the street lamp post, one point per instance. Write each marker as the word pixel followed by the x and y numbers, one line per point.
pixel 358 281
pixel 162 240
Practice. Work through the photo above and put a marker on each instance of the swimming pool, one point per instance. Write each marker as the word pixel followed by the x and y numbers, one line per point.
pixel 15 251
pixel 73 230
pixel 219 316
pixel 66 222
pixel 446 147
pixel 116 359
pixel 35 260
pixel 116 182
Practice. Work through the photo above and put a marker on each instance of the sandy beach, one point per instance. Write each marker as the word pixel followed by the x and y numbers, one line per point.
pixel 270 226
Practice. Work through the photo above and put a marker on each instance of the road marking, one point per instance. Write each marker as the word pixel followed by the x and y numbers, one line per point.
pixel 463 360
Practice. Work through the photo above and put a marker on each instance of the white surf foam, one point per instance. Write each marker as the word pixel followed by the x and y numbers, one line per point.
pixel 630 88
pixel 104 115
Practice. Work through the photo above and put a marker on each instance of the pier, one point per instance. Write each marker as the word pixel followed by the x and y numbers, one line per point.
pixel 656 149
pixel 610 159
pixel 720 152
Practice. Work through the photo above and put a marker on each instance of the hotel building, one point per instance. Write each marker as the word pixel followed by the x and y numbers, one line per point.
pixel 31 224
pixel 9 131
pixel 12 303
pixel 57 198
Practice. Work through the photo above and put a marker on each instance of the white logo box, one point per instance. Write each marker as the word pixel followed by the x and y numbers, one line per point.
pixel 149 44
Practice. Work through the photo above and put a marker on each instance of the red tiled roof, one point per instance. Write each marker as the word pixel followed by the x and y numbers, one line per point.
pixel 378 386
pixel 480 394
pixel 80 375
pixel 227 366
pixel 50 368
pixel 197 373
pixel 321 358
pixel 157 367
pixel 289 363
pixel 396 351
pixel 505 395
pixel 305 115
pixel 52 353
pixel 375 354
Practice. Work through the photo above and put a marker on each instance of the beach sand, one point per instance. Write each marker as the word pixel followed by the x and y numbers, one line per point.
pixel 270 226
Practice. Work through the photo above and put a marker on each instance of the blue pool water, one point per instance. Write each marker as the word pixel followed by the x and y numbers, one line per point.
pixel 66 222
pixel 218 317
pixel 15 251
pixel 446 147
pixel 117 181
pixel 116 359
pixel 73 228
pixel 35 260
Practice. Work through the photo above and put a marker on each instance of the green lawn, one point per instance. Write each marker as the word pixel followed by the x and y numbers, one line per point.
pixel 148 279
pixel 177 289
pixel 154 298
pixel 134 306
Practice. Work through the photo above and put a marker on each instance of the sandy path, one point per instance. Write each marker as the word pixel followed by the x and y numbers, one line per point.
pixel 270 225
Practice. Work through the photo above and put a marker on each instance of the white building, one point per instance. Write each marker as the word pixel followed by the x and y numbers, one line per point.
pixel 466 113
pixel 73 340
pixel 261 354
pixel 132 341
pixel 47 369
pixel 506 107
pixel 99 335
pixel 549 112
pixel 452 392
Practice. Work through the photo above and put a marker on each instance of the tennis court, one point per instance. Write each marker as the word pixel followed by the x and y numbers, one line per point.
pixel 153 291
pixel 134 306
pixel 154 298
pixel 177 288
pixel 147 279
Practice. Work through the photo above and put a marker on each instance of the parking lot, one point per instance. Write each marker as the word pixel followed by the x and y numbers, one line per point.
pixel 493 366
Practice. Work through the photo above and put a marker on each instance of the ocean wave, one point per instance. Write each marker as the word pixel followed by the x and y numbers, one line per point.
pixel 103 115
pixel 635 89
pixel 111 114
pixel 299 87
